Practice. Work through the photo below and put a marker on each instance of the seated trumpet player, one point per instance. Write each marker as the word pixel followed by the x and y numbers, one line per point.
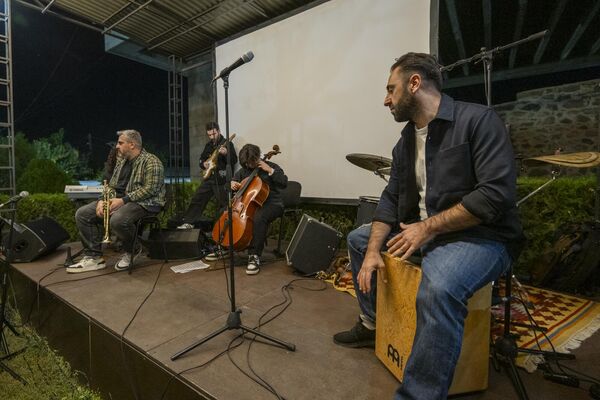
pixel 139 190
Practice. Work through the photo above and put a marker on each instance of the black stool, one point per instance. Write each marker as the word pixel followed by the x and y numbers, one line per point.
pixel 148 220
pixel 291 200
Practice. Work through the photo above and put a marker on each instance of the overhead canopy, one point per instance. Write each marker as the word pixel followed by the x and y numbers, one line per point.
pixel 188 28
pixel 183 28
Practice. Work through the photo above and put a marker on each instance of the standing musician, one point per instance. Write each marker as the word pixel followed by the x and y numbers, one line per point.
pixel 271 174
pixel 214 185
pixel 139 184
pixel 451 195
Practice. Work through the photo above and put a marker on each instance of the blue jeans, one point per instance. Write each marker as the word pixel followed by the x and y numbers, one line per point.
pixel 451 273
pixel 122 223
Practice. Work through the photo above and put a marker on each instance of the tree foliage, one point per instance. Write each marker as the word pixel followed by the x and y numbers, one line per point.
pixel 53 148
pixel 43 176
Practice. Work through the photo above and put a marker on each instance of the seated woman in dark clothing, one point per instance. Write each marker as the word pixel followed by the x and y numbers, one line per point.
pixel 272 208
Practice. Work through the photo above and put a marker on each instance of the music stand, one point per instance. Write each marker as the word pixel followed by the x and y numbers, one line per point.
pixel 234 319
pixel 4 322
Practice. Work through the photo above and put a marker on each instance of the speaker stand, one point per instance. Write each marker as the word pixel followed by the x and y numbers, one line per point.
pixel 70 259
pixel 4 322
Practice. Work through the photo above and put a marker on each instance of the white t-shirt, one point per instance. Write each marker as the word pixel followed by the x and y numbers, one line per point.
pixel 420 172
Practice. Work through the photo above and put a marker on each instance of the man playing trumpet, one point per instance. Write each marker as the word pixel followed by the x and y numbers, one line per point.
pixel 138 182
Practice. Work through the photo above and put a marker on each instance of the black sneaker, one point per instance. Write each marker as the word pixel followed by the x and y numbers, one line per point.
pixel 358 336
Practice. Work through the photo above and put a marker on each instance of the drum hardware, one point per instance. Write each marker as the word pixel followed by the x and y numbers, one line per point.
pixel 366 209
pixel 486 58
pixel 380 166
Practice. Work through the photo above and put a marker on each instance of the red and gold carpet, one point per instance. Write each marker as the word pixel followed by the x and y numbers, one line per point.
pixel 569 320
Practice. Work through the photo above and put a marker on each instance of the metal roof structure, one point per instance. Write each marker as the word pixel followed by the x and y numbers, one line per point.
pixel 180 28
pixel 571 43
pixel 188 29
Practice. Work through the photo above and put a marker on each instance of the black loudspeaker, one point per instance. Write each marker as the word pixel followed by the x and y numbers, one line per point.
pixel 313 246
pixel 35 238
pixel 179 243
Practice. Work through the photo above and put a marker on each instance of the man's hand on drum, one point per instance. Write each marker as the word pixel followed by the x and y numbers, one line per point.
pixel 371 263
pixel 412 237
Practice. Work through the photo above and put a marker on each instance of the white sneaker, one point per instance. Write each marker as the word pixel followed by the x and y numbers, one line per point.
pixel 216 255
pixel 185 226
pixel 253 266
pixel 87 263
pixel 127 259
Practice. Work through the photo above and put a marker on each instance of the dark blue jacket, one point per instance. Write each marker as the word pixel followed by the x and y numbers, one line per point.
pixel 469 160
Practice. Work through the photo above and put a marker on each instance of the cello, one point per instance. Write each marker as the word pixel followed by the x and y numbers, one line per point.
pixel 249 198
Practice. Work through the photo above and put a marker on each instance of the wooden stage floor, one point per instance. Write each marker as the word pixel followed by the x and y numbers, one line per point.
pixel 84 318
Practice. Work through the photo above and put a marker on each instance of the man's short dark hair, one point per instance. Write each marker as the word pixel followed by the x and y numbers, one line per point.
pixel 424 64
pixel 249 153
pixel 212 125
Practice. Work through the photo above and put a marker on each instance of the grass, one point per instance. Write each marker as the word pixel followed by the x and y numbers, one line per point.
pixel 48 375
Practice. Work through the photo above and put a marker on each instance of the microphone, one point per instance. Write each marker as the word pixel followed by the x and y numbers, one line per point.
pixel 16 198
pixel 239 62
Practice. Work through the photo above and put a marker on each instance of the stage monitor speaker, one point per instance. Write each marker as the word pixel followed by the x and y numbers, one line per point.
pixel 313 246
pixel 35 238
pixel 179 243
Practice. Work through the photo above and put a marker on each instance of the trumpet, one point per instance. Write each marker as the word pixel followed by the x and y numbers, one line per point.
pixel 108 194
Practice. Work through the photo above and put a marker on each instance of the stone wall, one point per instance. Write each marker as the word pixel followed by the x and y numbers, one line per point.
pixel 565 116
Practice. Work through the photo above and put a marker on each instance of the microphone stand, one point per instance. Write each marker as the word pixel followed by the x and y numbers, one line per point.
pixel 234 319
pixel 487 56
pixel 4 322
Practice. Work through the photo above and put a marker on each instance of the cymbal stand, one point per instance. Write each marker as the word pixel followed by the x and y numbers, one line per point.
pixel 4 321
pixel 380 174
pixel 505 347
pixel 234 319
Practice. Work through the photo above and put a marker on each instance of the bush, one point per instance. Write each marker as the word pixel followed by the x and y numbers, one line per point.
pixel 47 374
pixel 24 153
pixel 43 176
pixel 567 200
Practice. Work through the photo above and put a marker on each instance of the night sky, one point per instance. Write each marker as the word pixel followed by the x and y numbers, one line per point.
pixel 64 79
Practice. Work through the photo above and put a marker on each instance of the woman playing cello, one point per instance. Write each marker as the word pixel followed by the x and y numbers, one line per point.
pixel 273 176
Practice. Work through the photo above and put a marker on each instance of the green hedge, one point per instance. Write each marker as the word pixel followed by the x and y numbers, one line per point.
pixel 566 200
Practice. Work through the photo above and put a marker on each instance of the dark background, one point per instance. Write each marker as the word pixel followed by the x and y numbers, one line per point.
pixel 64 79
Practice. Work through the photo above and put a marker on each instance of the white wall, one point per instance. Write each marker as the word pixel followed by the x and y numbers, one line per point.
pixel 316 87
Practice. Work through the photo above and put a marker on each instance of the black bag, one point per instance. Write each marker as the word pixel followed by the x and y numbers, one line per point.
pixel 572 263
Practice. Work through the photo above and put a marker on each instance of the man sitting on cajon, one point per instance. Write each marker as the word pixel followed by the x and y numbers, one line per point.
pixel 451 195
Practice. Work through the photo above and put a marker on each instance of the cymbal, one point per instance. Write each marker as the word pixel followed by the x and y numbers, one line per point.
pixel 371 162
pixel 585 159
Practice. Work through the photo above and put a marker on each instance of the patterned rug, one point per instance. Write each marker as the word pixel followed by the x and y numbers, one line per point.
pixel 569 320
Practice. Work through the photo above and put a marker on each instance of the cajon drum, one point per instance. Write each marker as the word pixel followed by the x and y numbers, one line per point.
pixel 397 320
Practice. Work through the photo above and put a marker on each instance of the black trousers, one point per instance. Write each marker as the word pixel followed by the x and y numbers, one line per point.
pixel 203 195
pixel 262 219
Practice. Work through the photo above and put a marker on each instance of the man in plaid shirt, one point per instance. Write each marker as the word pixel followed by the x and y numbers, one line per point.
pixel 138 181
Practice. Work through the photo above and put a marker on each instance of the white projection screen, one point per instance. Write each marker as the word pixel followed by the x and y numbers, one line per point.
pixel 316 88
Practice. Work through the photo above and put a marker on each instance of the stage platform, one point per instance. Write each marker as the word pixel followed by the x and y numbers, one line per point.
pixel 84 315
